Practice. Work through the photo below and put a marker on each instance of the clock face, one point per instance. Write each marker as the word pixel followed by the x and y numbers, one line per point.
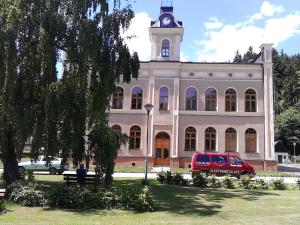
pixel 166 20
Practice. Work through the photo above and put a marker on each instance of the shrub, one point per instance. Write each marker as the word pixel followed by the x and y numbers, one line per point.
pixel 76 197
pixel 161 177
pixel 245 182
pixel 259 184
pixel 144 201
pixel 228 182
pixel 171 178
pixel 213 182
pixel 298 183
pixel 200 180
pixel 26 194
pixel 2 206
pixel 278 184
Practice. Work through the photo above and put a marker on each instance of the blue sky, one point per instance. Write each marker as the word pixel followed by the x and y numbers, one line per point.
pixel 215 29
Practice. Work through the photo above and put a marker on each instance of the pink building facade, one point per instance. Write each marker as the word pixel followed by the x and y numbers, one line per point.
pixel 217 107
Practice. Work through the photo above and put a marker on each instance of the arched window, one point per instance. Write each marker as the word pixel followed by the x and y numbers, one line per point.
pixel 230 140
pixel 165 48
pixel 230 100
pixel 190 139
pixel 250 101
pixel 117 128
pixel 211 99
pixel 191 99
pixel 137 98
pixel 163 98
pixel 135 137
pixel 250 140
pixel 210 139
pixel 118 97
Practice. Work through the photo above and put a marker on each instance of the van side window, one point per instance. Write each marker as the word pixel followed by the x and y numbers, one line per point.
pixel 218 159
pixel 202 159
pixel 235 160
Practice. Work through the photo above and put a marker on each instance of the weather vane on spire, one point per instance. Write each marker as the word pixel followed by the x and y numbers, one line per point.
pixel 166 3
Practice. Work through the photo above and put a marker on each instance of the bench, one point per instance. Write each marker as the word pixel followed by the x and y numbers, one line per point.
pixel 71 178
pixel 2 194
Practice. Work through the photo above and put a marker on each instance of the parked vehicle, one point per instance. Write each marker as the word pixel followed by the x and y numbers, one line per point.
pixel 220 164
pixel 54 166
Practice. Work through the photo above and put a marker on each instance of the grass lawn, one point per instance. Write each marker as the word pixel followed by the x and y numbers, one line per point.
pixel 175 205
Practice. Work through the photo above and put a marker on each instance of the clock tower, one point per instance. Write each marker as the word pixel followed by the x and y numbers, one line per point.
pixel 166 35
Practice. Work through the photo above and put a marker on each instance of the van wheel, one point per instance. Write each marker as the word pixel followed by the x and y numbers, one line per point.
pixel 245 174
pixel 52 171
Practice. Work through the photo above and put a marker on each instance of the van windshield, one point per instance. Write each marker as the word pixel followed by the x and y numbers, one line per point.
pixel 235 160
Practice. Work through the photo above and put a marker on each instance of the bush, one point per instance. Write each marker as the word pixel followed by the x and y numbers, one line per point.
pixel 26 194
pixel 228 182
pixel 76 197
pixel 200 180
pixel 171 178
pixel 213 182
pixel 259 184
pixel 245 182
pixel 2 206
pixel 298 183
pixel 278 184
pixel 161 177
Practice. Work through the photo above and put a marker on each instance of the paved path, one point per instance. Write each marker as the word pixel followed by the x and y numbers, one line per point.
pixel 288 180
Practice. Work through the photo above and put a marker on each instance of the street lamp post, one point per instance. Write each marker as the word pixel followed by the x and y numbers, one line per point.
pixel 294 144
pixel 148 108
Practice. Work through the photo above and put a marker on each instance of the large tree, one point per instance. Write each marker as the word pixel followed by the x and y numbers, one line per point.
pixel 70 115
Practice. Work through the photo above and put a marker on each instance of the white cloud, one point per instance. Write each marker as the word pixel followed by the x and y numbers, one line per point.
pixel 267 9
pixel 221 45
pixel 213 23
pixel 184 57
pixel 139 30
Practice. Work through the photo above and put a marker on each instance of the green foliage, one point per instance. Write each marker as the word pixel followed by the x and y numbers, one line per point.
pixel 67 116
pixel 287 126
pixel 238 57
pixel 2 206
pixel 76 197
pixel 228 182
pixel 278 184
pixel 213 182
pixel 26 194
pixel 200 180
pixel 260 184
pixel 245 182
pixel 298 183
pixel 168 177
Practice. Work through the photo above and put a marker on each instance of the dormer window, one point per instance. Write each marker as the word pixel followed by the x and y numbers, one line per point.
pixel 165 49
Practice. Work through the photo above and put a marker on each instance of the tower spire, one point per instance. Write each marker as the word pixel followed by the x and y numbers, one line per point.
pixel 165 3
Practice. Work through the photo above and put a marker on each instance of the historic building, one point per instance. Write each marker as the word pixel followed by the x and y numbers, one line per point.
pixel 219 107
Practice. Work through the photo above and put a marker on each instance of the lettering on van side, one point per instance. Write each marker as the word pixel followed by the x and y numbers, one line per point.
pixel 224 171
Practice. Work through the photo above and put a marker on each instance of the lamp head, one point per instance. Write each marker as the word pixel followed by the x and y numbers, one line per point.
pixel 148 107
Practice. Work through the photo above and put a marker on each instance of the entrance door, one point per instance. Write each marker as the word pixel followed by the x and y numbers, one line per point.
pixel 162 149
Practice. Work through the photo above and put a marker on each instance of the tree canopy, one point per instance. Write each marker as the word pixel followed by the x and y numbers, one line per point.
pixel 67 116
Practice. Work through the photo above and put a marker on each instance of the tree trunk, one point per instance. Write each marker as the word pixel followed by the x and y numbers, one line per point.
pixel 10 162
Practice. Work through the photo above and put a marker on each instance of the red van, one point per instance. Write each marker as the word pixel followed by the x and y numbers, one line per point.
pixel 220 164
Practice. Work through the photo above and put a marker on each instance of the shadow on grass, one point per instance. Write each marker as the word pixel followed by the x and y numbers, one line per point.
pixel 193 200
pixel 178 199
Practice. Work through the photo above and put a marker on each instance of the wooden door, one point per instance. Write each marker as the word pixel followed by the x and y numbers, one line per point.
pixel 162 152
